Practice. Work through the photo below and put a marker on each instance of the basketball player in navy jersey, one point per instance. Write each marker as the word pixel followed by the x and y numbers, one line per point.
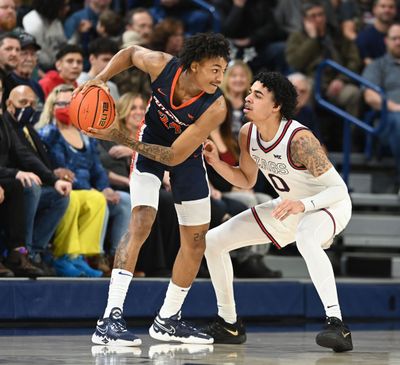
pixel 186 105
pixel 313 206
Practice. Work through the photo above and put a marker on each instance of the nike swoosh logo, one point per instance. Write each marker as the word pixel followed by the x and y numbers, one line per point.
pixel 329 306
pixel 345 334
pixel 233 333
pixel 161 92
pixel 169 329
pixel 254 149
pixel 122 273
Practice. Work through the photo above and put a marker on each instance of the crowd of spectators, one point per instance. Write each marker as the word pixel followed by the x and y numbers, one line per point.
pixel 64 198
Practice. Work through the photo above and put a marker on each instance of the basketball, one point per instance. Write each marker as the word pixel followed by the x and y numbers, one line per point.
pixel 95 108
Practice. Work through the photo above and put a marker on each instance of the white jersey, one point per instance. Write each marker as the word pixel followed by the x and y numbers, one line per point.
pixel 273 159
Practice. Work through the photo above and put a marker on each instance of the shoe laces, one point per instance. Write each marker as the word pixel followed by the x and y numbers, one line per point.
pixel 118 325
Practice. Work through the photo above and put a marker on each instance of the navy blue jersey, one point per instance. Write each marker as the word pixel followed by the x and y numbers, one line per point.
pixel 165 122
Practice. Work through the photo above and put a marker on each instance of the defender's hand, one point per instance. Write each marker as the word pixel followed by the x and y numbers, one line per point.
pixel 210 152
pixel 286 208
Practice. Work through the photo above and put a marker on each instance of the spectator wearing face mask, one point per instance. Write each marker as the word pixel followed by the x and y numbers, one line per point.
pixel 46 195
pixel 69 148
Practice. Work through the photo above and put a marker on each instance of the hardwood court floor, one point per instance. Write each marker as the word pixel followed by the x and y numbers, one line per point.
pixel 269 348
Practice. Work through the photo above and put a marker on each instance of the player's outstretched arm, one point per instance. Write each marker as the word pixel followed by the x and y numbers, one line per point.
pixel 245 175
pixel 182 147
pixel 151 62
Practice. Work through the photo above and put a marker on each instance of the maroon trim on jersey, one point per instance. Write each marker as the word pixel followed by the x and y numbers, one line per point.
pixel 249 136
pixel 270 148
pixel 171 96
pixel 288 154
pixel 261 225
pixel 333 220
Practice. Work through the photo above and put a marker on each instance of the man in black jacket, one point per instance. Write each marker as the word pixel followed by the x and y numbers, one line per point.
pixel 46 196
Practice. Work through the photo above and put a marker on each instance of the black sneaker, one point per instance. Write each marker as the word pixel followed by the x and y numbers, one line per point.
pixel 174 329
pixel 335 335
pixel 227 333
pixel 112 331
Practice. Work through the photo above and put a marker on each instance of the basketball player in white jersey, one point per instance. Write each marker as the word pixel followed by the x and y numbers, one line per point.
pixel 313 206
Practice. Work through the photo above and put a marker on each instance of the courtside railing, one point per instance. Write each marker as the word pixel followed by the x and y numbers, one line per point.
pixel 348 119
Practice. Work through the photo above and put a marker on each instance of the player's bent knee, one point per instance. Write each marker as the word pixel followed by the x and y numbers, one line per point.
pixel 142 219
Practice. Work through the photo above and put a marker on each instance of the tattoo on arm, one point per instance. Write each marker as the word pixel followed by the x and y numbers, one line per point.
pixel 152 151
pixel 121 255
pixel 307 151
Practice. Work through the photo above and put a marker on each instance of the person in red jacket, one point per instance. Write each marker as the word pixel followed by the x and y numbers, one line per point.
pixel 69 65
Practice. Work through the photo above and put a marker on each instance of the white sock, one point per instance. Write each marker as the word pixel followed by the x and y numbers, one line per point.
pixel 173 301
pixel 333 311
pixel 228 313
pixel 119 285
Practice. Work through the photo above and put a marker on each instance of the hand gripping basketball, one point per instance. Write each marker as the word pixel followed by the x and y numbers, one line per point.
pixel 92 107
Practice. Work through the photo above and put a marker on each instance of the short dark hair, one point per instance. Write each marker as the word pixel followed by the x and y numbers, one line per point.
pixel 11 35
pixel 131 13
pixel 111 21
pixel 203 46
pixel 309 4
pixel 283 90
pixel 102 46
pixel 50 9
pixel 68 48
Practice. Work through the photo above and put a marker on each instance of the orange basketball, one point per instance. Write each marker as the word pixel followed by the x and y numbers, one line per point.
pixel 95 108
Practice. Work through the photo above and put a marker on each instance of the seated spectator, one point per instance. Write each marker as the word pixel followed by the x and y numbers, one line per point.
pixel 19 163
pixel 159 251
pixel 140 21
pixel 109 26
pixel 235 85
pixel 168 36
pixel 80 27
pixel 23 73
pixel 256 36
pixel 44 22
pixel 8 15
pixel 12 219
pixel 304 112
pixel 385 72
pixel 306 49
pixel 44 205
pixel 138 30
pixel 69 148
pixel 69 65
pixel 10 49
pixel 101 50
pixel 196 20
pixel 371 40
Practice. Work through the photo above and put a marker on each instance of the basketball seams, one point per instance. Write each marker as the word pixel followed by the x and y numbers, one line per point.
pixel 112 111
pixel 97 108
pixel 84 109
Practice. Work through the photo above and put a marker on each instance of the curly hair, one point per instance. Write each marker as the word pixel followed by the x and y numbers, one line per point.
pixel 283 90
pixel 203 46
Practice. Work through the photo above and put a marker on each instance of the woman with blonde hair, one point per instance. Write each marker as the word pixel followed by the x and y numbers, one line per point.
pixel 80 232
pixel 115 158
